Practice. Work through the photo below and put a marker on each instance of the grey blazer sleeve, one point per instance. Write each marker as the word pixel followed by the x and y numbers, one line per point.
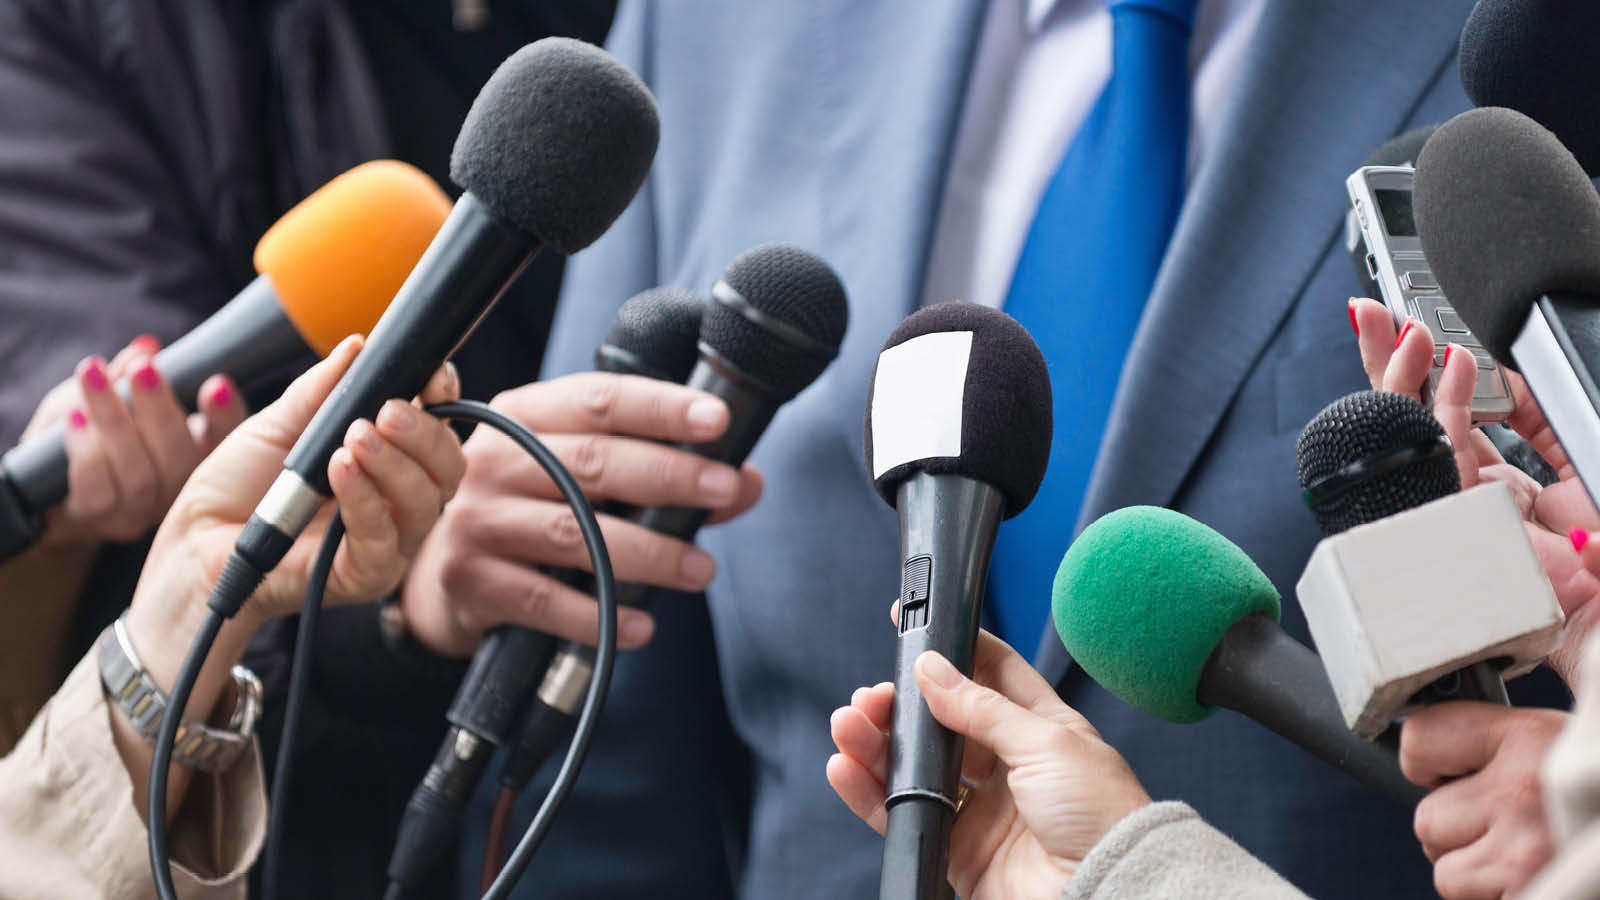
pixel 1165 851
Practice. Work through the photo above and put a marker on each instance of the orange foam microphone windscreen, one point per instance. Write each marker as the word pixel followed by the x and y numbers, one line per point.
pixel 338 257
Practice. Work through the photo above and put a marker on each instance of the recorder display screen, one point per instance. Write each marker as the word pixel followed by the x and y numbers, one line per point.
pixel 1395 209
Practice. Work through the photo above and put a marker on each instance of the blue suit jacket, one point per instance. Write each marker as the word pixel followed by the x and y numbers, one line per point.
pixel 829 123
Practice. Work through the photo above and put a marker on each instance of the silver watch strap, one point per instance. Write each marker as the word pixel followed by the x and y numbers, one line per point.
pixel 199 746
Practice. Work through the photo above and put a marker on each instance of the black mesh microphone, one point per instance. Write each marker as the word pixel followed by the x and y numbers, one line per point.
pixel 553 148
pixel 1511 226
pixel 1401 150
pixel 1537 57
pixel 1371 455
pixel 957 438
pixel 775 322
pixel 654 336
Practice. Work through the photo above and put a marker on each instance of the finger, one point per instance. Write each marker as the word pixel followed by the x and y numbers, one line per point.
pixel 444 386
pixel 282 421
pixel 1014 733
pixel 1528 420
pixel 92 492
pixel 1450 818
pixel 543 532
pixel 414 501
pixel 221 409
pixel 856 737
pixel 996 665
pixel 369 561
pixel 751 485
pixel 638 472
pixel 488 590
pixel 1448 740
pixel 863 794
pixel 876 703
pixel 618 404
pixel 1566 505
pixel 137 484
pixel 138 350
pixel 1412 359
pixel 426 441
pixel 1452 406
pixel 163 426
pixel 1498 865
pixel 1375 334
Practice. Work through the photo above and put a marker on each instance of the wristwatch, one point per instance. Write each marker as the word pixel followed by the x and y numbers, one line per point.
pixel 199 746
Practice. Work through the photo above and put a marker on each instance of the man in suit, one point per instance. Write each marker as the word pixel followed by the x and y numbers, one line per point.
pixel 880 135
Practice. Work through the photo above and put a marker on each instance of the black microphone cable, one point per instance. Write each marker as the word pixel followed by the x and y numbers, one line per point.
pixel 239 580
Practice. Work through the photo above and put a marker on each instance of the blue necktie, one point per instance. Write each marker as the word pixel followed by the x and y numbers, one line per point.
pixel 1083 277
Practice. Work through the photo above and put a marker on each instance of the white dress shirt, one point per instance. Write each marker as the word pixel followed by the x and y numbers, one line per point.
pixel 1041 65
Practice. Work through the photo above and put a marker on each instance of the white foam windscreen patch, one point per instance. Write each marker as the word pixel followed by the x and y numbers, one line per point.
pixel 917 399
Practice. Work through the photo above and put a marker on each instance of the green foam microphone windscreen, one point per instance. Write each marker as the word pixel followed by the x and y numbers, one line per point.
pixel 1142 598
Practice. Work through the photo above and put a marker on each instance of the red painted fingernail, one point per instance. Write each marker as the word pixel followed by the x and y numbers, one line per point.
pixel 1579 538
pixel 94 373
pixel 146 344
pixel 146 376
pixel 1353 326
pixel 222 395
pixel 1447 349
pixel 77 419
pixel 1402 336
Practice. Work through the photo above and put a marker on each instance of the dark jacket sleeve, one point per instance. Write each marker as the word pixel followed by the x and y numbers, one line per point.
pixel 111 219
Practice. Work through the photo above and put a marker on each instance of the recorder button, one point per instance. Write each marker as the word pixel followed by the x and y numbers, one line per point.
pixel 1450 323
pixel 1420 281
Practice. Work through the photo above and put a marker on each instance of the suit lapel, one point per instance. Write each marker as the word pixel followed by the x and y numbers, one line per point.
pixel 1317 94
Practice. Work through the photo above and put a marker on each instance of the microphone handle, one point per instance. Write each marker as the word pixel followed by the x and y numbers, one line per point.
pixel 550 717
pixel 947 531
pixel 244 340
pixel 1558 352
pixel 1262 672
pixel 1479 681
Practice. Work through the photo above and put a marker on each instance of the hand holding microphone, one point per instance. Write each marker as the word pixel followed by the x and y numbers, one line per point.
pixel 1043 788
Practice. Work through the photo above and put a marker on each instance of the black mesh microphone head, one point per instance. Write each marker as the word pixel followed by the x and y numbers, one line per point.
pixel 1505 215
pixel 1537 57
pixel 558 141
pixel 945 403
pixel 777 315
pixel 1370 455
pixel 654 334
pixel 1401 150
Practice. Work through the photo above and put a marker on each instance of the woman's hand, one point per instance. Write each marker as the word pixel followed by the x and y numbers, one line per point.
pixel 1044 788
pixel 390 480
pixel 1559 517
pixel 127 459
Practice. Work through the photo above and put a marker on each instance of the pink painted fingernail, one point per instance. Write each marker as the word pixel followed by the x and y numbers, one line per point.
pixel 77 419
pixel 146 376
pixel 221 395
pixel 146 344
pixel 1353 326
pixel 1579 538
pixel 1401 339
pixel 1447 349
pixel 94 374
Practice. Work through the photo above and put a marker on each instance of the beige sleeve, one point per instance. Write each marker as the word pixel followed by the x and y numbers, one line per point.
pixel 1165 851
pixel 71 828
pixel 1572 796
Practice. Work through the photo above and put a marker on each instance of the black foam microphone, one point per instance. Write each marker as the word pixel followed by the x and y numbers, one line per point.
pixel 1366 458
pixel 1401 150
pixel 1511 226
pixel 776 319
pixel 553 148
pixel 654 336
pixel 1537 57
pixel 957 437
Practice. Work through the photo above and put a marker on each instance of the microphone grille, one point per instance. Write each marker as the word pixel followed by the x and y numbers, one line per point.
pixel 656 329
pixel 778 315
pixel 1370 455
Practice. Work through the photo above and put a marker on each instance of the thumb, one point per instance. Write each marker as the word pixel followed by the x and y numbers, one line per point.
pixel 282 421
pixel 1016 735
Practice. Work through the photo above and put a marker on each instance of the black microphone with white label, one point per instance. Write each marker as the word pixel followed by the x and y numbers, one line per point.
pixel 957 438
